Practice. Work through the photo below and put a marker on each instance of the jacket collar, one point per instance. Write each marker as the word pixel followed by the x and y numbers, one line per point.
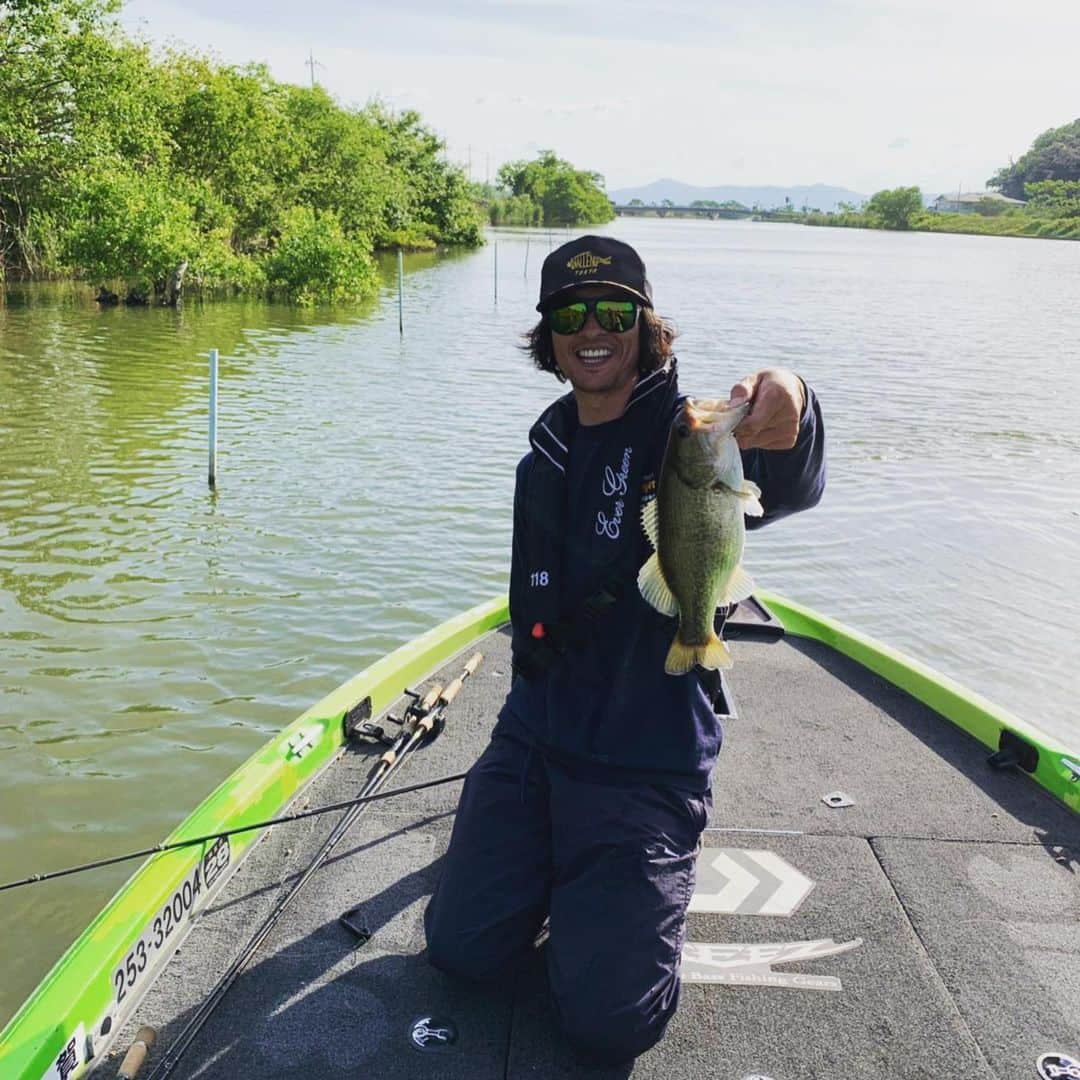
pixel 552 434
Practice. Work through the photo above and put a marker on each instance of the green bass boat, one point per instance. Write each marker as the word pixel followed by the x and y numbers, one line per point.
pixel 888 887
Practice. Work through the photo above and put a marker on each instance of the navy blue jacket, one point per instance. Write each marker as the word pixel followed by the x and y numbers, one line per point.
pixel 606 705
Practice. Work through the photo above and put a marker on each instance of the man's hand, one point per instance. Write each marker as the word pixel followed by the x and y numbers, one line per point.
pixel 778 398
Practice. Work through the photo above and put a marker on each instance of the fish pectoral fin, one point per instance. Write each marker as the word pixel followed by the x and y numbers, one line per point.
pixel 654 587
pixel 682 658
pixel 738 588
pixel 750 493
pixel 650 521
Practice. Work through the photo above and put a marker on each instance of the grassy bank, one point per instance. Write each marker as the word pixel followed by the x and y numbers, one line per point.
pixel 1014 223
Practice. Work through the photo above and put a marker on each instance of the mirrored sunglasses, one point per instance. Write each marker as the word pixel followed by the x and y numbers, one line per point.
pixel 615 316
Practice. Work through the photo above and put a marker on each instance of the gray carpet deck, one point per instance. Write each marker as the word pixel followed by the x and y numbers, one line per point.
pixel 960 881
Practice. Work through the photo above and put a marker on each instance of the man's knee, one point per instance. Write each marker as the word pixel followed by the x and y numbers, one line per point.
pixel 463 954
pixel 611 1034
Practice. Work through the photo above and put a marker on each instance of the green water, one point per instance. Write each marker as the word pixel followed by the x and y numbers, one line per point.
pixel 153 634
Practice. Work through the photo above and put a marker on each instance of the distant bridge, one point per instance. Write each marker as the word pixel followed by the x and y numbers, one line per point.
pixel 711 212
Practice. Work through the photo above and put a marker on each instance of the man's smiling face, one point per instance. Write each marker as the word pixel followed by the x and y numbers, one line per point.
pixel 601 365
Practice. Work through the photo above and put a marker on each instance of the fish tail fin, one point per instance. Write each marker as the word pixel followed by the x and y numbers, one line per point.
pixel 681 658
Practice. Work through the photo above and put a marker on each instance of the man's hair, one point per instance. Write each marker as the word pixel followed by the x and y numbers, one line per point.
pixel 657 335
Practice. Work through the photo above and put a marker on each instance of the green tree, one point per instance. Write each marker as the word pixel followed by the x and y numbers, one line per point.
pixel 44 48
pixel 567 196
pixel 314 260
pixel 131 225
pixel 426 196
pixel 1054 155
pixel 119 164
pixel 895 207
pixel 1056 198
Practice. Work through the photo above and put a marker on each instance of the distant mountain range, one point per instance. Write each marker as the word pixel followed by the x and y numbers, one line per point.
pixel 815 196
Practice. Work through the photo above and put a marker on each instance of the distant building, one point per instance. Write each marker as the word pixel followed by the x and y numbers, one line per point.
pixel 967 202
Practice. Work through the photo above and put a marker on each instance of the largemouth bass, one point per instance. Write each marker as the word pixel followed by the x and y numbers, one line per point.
pixel 696 527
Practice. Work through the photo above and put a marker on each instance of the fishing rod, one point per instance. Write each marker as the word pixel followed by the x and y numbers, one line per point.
pixel 428 718
pixel 284 819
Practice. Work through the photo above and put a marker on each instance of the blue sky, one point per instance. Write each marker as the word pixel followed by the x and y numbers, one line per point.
pixel 861 94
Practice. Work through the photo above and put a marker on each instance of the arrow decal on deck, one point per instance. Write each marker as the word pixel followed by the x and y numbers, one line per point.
pixel 735 881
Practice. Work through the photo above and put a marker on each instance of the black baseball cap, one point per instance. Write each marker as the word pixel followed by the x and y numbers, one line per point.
pixel 593 260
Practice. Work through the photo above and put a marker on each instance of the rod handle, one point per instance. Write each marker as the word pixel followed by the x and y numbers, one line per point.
pixel 451 691
pixel 430 698
pixel 136 1055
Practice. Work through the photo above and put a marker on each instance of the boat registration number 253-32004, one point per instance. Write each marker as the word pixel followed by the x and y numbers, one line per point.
pixel 175 911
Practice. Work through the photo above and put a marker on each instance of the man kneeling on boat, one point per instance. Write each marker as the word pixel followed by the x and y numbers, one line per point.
pixel 587 806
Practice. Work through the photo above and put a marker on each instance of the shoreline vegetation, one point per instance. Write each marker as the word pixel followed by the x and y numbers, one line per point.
pixel 1046 179
pixel 1047 224
pixel 144 173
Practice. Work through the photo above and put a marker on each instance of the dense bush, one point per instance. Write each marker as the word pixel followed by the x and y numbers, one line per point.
pixel 1057 198
pixel 133 225
pixel 894 208
pixel 514 210
pixel 120 165
pixel 314 260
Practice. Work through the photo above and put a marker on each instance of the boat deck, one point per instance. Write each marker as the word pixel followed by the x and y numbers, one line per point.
pixel 960 881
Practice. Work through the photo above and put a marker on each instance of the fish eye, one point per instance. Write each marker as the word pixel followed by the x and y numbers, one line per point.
pixel 683 430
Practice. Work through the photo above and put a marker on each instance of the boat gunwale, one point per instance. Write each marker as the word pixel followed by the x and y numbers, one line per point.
pixel 951 700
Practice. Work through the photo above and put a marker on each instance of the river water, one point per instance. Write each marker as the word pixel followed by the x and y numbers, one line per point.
pixel 153 635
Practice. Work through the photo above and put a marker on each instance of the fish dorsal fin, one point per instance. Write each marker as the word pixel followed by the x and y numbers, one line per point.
pixel 650 521
pixel 654 587
pixel 738 588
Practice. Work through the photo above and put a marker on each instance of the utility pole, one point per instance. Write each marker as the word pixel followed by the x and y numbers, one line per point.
pixel 312 63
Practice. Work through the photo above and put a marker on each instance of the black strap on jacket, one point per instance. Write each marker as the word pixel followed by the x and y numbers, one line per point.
pixel 542 652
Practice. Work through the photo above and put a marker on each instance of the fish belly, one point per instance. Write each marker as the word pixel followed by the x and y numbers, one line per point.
pixel 701 538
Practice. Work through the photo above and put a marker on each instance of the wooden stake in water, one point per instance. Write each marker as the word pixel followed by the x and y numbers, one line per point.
pixel 526 257
pixel 400 289
pixel 496 271
pixel 213 417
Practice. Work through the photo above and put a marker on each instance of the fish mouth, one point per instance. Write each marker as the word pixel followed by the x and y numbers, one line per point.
pixel 714 415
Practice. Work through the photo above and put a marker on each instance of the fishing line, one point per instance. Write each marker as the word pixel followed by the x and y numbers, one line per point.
pixel 430 720
pixel 177 844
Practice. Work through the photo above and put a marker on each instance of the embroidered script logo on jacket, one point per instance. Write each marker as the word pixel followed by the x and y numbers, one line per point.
pixel 614 487
pixel 587 262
